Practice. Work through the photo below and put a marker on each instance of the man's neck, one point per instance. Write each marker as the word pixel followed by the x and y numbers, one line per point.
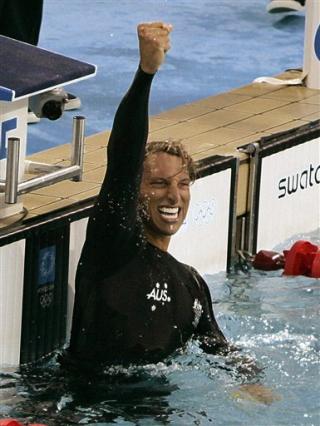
pixel 161 242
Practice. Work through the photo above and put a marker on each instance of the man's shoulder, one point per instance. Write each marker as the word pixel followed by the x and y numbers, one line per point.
pixel 189 268
pixel 193 273
pixel 190 274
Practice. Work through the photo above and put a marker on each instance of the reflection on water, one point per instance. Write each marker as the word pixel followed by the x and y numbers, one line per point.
pixel 273 320
pixel 122 395
pixel 57 399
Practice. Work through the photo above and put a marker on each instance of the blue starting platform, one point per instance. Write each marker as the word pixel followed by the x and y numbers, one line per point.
pixel 26 70
pixel 31 77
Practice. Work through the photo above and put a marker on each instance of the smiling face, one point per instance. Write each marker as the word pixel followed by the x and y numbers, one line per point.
pixel 164 197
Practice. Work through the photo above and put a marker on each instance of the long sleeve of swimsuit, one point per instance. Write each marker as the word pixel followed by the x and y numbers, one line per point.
pixel 113 232
pixel 208 331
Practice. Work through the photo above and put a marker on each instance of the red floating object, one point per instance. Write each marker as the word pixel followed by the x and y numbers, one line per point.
pixel 268 260
pixel 315 269
pixel 302 259
pixel 13 422
pixel 299 259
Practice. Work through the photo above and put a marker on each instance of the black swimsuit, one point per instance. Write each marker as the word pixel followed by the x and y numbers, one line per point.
pixel 133 302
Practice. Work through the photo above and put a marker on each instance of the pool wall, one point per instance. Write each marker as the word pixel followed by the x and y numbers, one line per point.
pixel 287 188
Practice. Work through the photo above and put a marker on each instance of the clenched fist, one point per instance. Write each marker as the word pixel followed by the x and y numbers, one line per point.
pixel 154 42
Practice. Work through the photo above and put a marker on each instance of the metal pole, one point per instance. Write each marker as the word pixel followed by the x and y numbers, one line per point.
pixel 34 167
pixel 48 179
pixel 253 149
pixel 233 208
pixel 311 62
pixel 242 233
pixel 78 145
pixel 12 169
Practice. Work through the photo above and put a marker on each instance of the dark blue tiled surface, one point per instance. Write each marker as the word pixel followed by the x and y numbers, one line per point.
pixel 25 69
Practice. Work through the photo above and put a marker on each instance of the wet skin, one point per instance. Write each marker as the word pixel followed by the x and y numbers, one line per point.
pixel 164 196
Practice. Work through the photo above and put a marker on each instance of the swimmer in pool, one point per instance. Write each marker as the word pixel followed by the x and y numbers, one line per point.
pixel 134 302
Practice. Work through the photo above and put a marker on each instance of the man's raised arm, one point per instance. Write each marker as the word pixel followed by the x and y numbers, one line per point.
pixel 115 211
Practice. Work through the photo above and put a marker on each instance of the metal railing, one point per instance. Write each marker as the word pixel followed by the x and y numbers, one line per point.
pixel 52 173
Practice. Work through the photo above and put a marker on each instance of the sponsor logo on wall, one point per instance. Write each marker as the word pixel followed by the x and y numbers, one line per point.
pixel 201 212
pixel 289 193
pixel 46 275
pixel 299 181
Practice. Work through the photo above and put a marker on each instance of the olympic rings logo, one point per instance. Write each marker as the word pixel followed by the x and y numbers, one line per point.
pixel 203 212
pixel 46 299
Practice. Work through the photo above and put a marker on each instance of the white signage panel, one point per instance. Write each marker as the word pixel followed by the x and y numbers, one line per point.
pixel 203 239
pixel 13 123
pixel 78 230
pixel 289 198
pixel 11 296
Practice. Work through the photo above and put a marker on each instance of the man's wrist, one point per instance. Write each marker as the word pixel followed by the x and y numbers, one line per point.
pixel 145 71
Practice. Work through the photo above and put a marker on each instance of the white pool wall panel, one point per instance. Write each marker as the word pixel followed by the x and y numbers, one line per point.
pixel 77 238
pixel 289 199
pixel 202 241
pixel 13 123
pixel 11 299
pixel 311 57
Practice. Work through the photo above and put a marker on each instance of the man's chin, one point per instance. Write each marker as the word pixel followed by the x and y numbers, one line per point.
pixel 167 230
pixel 170 229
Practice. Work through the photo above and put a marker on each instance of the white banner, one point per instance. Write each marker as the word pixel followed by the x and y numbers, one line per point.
pixel 13 123
pixel 202 241
pixel 78 230
pixel 289 199
pixel 11 295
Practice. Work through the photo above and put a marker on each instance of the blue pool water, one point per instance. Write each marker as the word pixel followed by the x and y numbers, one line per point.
pixel 216 46
pixel 274 322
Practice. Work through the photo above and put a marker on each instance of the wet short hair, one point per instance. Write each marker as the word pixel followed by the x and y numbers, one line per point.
pixel 173 147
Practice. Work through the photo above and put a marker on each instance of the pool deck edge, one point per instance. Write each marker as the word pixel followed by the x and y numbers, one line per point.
pixel 216 125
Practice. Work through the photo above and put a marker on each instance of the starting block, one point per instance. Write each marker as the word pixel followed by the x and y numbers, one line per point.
pixel 31 76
